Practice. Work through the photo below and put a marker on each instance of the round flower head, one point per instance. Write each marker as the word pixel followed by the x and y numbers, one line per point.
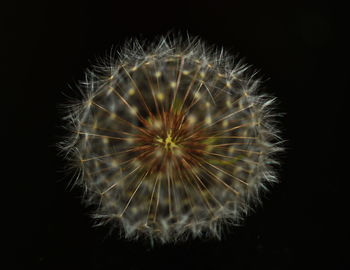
pixel 172 139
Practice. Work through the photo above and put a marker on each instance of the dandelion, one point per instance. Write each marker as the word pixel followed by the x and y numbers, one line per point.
pixel 172 139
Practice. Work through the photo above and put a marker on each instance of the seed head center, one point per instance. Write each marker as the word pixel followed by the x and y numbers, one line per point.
pixel 169 142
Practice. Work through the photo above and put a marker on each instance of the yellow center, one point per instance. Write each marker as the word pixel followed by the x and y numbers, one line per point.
pixel 168 142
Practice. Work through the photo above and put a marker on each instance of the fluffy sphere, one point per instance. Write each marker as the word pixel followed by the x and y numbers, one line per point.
pixel 171 139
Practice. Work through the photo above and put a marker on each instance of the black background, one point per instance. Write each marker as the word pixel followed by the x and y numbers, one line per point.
pixel 302 222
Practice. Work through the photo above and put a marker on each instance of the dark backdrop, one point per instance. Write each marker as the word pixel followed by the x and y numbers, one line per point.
pixel 295 44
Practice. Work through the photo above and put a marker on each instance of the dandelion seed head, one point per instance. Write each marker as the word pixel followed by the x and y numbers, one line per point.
pixel 172 139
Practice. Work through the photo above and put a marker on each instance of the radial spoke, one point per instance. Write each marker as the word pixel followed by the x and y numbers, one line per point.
pixel 145 71
pixel 138 91
pixel 177 83
pixel 151 200
pixel 115 184
pixel 133 194
pixel 198 180
pixel 119 118
pixel 224 172
pixel 194 78
pixel 109 130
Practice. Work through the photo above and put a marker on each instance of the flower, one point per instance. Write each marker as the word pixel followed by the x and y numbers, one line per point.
pixel 172 139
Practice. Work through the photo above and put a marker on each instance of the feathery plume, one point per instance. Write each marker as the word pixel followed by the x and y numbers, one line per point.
pixel 172 139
